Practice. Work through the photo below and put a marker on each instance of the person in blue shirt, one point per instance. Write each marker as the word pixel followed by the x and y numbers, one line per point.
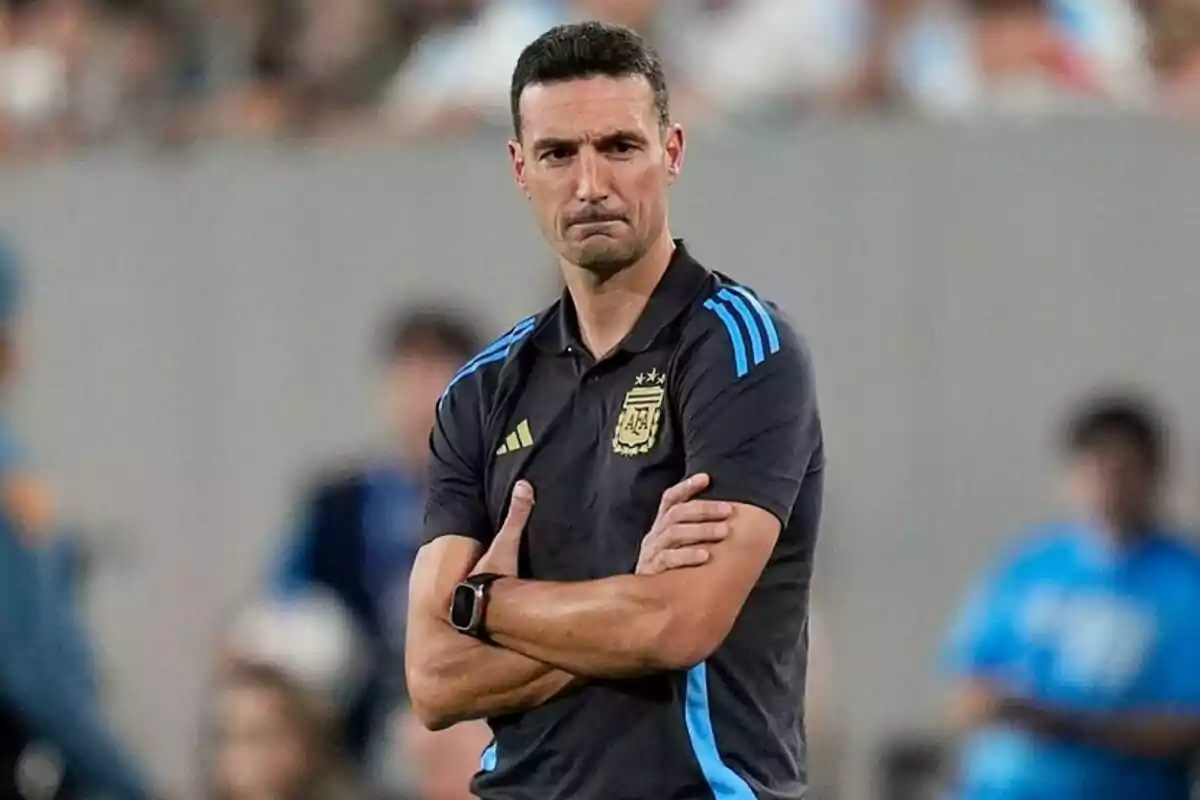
pixel 360 527
pixel 50 705
pixel 1077 660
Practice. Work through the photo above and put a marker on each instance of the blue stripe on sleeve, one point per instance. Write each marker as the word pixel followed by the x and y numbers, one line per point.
pixel 723 781
pixel 496 351
pixel 763 314
pixel 748 321
pixel 516 332
pixel 735 335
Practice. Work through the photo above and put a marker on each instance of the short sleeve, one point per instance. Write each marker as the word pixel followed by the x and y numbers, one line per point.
pixel 748 406
pixel 977 642
pixel 456 501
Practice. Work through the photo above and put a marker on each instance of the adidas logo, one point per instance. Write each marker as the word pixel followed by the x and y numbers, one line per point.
pixel 517 440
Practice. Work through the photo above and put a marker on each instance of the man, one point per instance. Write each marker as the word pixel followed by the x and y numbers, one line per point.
pixel 1078 661
pixel 1175 52
pixel 636 626
pixel 360 529
pixel 53 734
pixel 1012 58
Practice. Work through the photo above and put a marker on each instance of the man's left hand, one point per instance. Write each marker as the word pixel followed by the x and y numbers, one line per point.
pixel 501 557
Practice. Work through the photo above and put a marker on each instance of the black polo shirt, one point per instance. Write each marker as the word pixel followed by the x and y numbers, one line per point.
pixel 711 379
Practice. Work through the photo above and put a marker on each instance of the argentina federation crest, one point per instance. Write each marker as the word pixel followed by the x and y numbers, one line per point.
pixel 637 426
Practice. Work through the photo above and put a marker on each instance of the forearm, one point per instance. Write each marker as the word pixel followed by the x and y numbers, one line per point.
pixel 610 628
pixel 453 677
pixel 1138 734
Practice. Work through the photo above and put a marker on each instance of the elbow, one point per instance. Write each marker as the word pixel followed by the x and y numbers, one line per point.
pixel 681 640
pixel 429 698
pixel 431 709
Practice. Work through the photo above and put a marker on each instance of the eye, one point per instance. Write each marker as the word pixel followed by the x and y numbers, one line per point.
pixel 622 147
pixel 556 154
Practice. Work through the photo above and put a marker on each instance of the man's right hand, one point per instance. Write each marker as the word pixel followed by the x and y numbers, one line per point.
pixel 682 528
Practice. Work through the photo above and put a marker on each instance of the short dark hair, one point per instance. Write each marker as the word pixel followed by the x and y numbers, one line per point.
pixel 429 328
pixel 1127 417
pixel 587 50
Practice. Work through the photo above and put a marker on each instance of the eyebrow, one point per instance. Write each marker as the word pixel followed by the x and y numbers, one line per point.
pixel 553 143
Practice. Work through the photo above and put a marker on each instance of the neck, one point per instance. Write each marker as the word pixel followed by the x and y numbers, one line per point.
pixel 1123 533
pixel 608 308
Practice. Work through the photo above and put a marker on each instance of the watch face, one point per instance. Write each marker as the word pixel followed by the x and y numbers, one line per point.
pixel 462 607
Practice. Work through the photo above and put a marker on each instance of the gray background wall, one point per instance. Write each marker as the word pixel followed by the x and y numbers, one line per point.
pixel 199 329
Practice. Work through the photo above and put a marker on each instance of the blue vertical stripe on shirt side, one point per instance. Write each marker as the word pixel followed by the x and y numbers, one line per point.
pixel 748 321
pixel 763 314
pixel 487 761
pixel 724 782
pixel 735 335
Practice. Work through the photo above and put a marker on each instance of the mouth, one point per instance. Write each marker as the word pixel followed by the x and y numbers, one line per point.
pixel 595 223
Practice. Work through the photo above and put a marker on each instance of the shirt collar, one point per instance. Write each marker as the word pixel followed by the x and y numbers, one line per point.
pixel 675 291
pixel 1098 548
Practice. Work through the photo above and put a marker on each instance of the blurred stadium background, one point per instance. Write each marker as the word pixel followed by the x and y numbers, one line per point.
pixel 977 211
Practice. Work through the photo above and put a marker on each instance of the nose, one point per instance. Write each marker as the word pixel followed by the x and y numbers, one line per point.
pixel 592 185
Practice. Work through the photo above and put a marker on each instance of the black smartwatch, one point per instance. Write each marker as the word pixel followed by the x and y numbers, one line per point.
pixel 469 603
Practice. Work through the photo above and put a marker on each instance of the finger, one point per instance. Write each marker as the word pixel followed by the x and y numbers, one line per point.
pixel 519 509
pixel 698 511
pixel 683 491
pixel 678 536
pixel 678 559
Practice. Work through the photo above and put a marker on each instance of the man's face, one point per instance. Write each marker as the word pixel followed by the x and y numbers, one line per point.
pixel 414 382
pixel 1112 482
pixel 594 161
pixel 1014 42
pixel 261 751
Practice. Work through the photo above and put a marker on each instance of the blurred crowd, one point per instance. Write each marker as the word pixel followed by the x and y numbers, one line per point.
pixel 77 73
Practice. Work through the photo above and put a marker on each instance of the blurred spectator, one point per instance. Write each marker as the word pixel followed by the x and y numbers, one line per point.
pixel 752 56
pixel 36 57
pixel 1078 659
pixel 347 53
pixel 275 739
pixel 441 762
pixel 311 635
pixel 1020 57
pixel 83 72
pixel 50 708
pixel 1176 52
pixel 361 528
pixel 266 105
pixel 458 77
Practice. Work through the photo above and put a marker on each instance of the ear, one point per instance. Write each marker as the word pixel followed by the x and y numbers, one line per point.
pixel 517 156
pixel 673 149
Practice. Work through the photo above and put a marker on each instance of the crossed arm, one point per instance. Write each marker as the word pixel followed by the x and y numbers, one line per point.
pixel 631 625
pixel 1146 734
pixel 550 635
pixel 452 677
